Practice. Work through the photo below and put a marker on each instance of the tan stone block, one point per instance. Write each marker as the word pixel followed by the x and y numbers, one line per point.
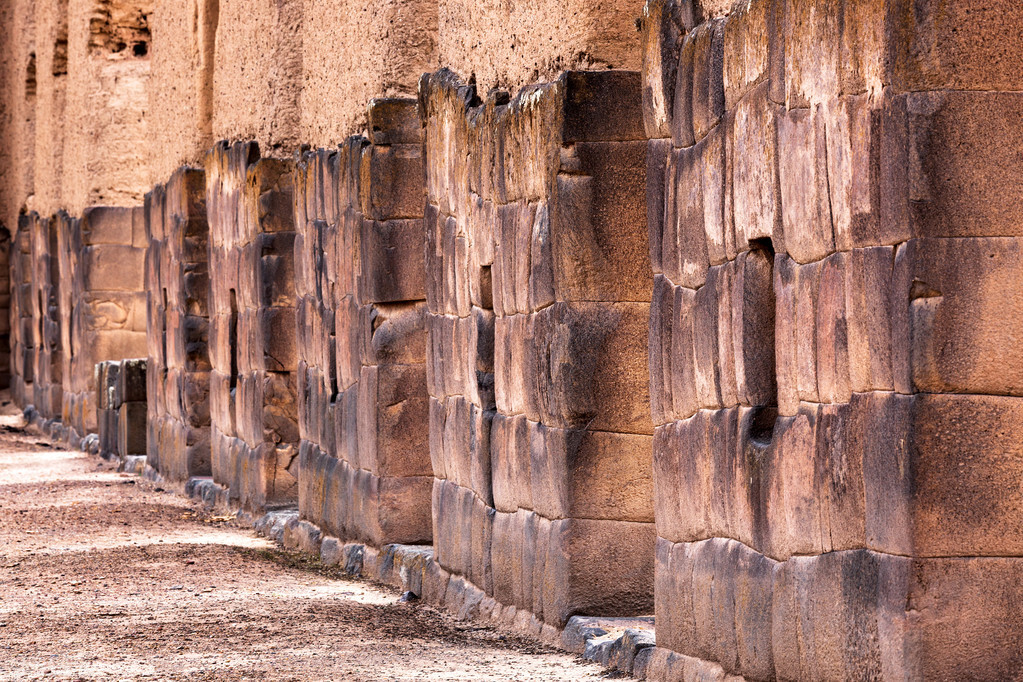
pixel 955 45
pixel 663 29
pixel 962 320
pixel 803 174
pixel 111 267
pixel 786 273
pixel 591 474
pixel 853 130
pixel 598 226
pixel 391 261
pixel 708 74
pixel 832 327
pixel 592 367
pixel 748 43
pixel 868 314
pixel 681 115
pixel 755 184
pixel 599 568
pixel 394 120
pixel 686 239
pixel 942 175
pixel 813 51
pixel 277 345
pixel 659 350
pixel 392 181
pixel 511 463
pixel 959 618
pixel 106 225
pixel 683 390
pixel 807 288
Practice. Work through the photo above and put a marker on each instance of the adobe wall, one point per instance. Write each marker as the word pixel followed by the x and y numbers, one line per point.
pixel 177 294
pixel 827 373
pixel 538 290
pixel 365 471
pixel 252 341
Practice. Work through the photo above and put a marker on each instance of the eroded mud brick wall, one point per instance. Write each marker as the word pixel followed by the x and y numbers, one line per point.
pixel 365 471
pixel 177 291
pixel 831 342
pixel 538 284
pixel 102 260
pixel 47 387
pixel 22 313
pixel 253 402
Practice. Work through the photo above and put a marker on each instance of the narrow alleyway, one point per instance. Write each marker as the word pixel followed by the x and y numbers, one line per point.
pixel 106 576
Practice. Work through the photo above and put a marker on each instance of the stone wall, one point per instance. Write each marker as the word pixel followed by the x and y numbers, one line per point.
pixel 5 308
pixel 177 292
pixel 538 289
pixel 47 386
pixel 121 408
pixel 22 314
pixel 365 471
pixel 102 259
pixel 253 400
pixel 829 243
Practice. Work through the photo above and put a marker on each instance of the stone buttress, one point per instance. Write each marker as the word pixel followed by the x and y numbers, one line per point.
pixel 177 290
pixel 365 471
pixel 253 401
pixel 538 287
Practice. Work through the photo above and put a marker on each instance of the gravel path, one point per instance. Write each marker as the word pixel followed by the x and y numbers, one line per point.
pixel 105 576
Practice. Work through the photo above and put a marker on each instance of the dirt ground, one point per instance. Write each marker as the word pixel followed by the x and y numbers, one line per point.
pixel 106 576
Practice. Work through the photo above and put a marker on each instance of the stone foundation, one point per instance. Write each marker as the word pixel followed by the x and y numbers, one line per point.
pixel 365 469
pixel 538 292
pixel 177 291
pixel 252 349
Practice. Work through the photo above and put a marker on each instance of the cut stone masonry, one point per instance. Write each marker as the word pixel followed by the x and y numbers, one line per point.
pixel 538 291
pixel 178 292
pixel 365 470
pixel 252 342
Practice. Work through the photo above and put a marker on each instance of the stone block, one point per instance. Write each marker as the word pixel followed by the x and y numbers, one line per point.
pixel 112 267
pixel 755 182
pixel 394 120
pixel 131 429
pixel 107 225
pixel 591 474
pixel 803 174
pixel 941 175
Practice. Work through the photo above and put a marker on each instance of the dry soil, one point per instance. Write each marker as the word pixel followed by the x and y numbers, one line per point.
pixel 106 576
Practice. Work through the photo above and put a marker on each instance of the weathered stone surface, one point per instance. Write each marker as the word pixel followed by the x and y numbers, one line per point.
pixel 363 406
pixel 252 350
pixel 539 412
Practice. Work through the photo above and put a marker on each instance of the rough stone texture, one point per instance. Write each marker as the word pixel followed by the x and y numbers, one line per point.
pixel 47 388
pixel 177 291
pixel 22 313
pixel 832 344
pixel 121 409
pixel 5 308
pixel 252 337
pixel 102 261
pixel 365 472
pixel 538 293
